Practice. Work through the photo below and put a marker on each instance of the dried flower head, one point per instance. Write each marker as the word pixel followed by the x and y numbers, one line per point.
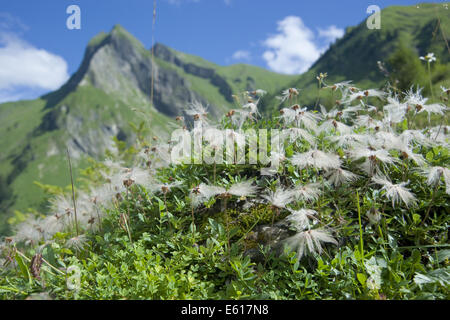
pixel 35 266
pixel 297 133
pixel 300 218
pixel 316 159
pixel 288 94
pixel 309 240
pixel 243 189
pixel 339 176
pixel 77 243
pixel 395 192
pixel 197 111
pixel 280 197
pixel 434 174
pixel 308 192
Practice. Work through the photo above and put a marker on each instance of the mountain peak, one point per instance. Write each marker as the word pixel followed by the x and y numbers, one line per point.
pixel 117 27
pixel 118 31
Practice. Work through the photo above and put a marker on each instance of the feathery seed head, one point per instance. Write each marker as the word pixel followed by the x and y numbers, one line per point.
pixel 316 159
pixel 77 243
pixel 340 176
pixel 300 218
pixel 309 241
pixel 434 174
pixel 280 197
pixel 308 192
pixel 395 192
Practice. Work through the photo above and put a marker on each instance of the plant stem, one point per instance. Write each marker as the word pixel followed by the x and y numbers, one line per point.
pixel 431 204
pixel 318 95
pixel 274 213
pixel 405 171
pixel 228 223
pixel 193 222
pixel 167 211
pixel 99 218
pixel 381 234
pixel 431 85
pixel 360 229
pixel 128 217
pixel 73 192
pixel 440 126
pixel 277 210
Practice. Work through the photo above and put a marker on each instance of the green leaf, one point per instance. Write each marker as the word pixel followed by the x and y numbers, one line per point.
pixel 9 289
pixel 392 242
pixel 66 251
pixel 24 269
pixel 161 205
pixel 361 278
pixel 404 125
pixel 443 255
pixel 60 236
pixel 440 276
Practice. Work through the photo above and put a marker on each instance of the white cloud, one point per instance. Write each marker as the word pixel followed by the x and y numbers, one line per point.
pixel 241 55
pixel 294 48
pixel 331 33
pixel 25 68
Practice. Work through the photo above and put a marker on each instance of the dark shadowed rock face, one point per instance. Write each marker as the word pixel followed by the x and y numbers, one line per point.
pixel 172 93
pixel 167 55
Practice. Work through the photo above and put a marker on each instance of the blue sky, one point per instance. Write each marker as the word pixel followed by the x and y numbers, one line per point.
pixel 38 53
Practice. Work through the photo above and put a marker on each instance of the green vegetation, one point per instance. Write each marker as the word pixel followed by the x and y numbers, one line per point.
pixel 357 209
pixel 407 69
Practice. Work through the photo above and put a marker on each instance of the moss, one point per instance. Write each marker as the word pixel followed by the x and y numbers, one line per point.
pixel 247 220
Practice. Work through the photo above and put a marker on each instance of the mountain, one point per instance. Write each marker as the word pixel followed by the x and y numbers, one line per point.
pixel 421 28
pixel 111 88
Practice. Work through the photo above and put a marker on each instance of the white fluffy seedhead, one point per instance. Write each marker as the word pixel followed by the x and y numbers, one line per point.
pixel 395 192
pixel 434 175
pixel 339 176
pixel 280 197
pixel 308 192
pixel 300 218
pixel 243 189
pixel 309 241
pixel 316 159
